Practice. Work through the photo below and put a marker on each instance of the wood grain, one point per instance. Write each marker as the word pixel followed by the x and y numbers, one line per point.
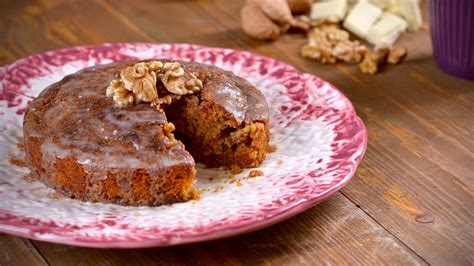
pixel 18 251
pixel 316 236
pixel 411 200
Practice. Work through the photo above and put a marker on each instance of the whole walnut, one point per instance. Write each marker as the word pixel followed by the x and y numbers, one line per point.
pixel 267 19
pixel 256 24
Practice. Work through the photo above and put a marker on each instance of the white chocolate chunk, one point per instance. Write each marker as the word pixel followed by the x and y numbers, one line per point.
pixel 384 4
pixel 410 11
pixel 361 18
pixel 386 30
pixel 333 11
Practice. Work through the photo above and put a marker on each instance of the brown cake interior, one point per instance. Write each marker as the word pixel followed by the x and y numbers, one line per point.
pixel 215 139
pixel 236 135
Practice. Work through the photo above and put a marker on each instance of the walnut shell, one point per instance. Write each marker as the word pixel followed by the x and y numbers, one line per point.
pixel 256 24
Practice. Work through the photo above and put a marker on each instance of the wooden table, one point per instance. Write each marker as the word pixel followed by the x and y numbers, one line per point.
pixel 411 200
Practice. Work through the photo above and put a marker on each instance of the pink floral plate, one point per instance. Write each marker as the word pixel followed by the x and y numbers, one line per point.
pixel 319 138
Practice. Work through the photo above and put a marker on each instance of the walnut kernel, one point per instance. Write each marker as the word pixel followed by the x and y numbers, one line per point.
pixel 167 129
pixel 369 65
pixel 349 51
pixel 156 66
pixel 120 94
pixel 177 81
pixel 320 53
pixel 123 97
pixel 166 100
pixel 137 83
pixel 328 44
pixel 141 81
pixel 396 55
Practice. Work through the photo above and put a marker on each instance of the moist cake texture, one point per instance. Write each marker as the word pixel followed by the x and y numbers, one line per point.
pixel 81 143
pixel 226 124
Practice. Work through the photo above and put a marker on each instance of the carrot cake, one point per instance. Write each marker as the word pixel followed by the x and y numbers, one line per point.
pixel 129 132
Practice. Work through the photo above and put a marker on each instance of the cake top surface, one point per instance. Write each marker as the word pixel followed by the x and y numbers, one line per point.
pixel 236 95
pixel 75 117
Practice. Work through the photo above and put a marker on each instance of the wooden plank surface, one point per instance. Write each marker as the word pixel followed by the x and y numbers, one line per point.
pixel 315 236
pixel 411 200
pixel 18 251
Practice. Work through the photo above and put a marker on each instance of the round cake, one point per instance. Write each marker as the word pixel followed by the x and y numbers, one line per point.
pixel 89 146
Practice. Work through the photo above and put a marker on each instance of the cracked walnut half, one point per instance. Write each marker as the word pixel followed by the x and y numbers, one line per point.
pixel 138 83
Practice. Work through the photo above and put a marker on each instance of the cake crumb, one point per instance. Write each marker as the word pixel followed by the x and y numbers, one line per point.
pixel 217 189
pixel 29 177
pixel 235 169
pixel 232 179
pixel 211 178
pixel 195 194
pixel 271 148
pixel 20 145
pixel 255 173
pixel 279 162
pixel 238 183
pixel 202 190
pixel 54 195
pixel 17 162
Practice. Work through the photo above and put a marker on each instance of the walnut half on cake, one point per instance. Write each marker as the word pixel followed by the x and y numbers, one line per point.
pixel 117 133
